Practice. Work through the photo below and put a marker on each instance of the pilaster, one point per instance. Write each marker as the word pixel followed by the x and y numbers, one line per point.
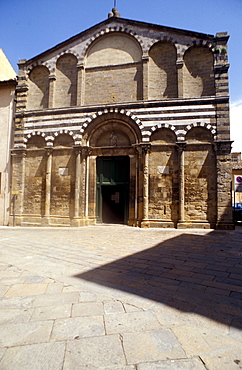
pixel 48 185
pixel 181 153
pixel 52 81
pixel 80 84
pixel 145 152
pixel 179 67
pixel 224 181
pixel 145 65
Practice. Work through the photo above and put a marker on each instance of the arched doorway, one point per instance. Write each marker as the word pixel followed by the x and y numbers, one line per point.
pixel 112 191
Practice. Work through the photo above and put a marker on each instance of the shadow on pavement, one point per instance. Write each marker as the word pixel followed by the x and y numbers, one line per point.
pixel 190 272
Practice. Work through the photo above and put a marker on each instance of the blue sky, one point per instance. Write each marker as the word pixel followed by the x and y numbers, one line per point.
pixel 29 27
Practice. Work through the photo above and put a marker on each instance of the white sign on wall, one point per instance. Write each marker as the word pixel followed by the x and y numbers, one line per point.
pixel 63 171
pixel 163 170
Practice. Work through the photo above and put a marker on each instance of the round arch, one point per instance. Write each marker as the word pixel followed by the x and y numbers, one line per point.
pixel 105 124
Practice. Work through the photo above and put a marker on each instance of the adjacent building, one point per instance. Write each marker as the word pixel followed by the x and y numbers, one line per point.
pixel 237 185
pixel 7 94
pixel 126 122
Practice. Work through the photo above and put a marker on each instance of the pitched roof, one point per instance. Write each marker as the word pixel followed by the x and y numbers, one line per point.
pixel 6 70
pixel 126 22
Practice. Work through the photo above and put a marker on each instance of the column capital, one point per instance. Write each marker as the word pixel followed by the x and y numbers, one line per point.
pixel 86 150
pixel 181 146
pixel 142 148
pixel 48 150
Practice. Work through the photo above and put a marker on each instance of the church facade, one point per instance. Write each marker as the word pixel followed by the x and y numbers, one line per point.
pixel 126 122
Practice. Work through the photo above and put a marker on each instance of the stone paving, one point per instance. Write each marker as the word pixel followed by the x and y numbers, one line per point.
pixel 120 298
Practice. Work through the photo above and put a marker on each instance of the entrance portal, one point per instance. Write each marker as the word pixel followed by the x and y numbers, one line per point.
pixel 112 189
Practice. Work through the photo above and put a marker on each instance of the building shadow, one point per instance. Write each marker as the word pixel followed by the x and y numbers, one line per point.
pixel 193 273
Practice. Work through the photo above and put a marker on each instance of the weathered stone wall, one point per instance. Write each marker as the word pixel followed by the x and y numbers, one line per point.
pixel 66 81
pixel 34 190
pixel 200 187
pixel 198 72
pixel 162 71
pixel 163 177
pixel 113 84
pixel 38 93
pixel 62 183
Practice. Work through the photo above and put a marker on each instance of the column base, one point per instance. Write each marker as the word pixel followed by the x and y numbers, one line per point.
pixel 76 222
pixel 193 225
pixel 145 224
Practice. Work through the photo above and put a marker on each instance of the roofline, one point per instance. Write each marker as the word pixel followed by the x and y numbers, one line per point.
pixel 8 82
pixel 129 21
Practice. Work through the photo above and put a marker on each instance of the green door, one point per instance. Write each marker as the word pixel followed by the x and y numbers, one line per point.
pixel 112 189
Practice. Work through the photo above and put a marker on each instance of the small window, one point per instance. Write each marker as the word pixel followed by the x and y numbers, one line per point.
pixel 234 158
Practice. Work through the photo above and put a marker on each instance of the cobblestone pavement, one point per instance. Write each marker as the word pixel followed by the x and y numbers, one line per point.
pixel 120 298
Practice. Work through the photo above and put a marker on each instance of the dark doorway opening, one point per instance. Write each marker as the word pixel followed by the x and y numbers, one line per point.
pixel 113 189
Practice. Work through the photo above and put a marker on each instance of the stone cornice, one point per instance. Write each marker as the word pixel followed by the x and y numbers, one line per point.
pixel 126 106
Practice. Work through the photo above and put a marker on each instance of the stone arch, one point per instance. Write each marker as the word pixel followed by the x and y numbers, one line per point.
pixel 163 135
pixel 200 134
pixel 38 93
pixel 198 73
pixel 108 123
pixel 113 69
pixel 35 142
pixel 63 139
pixel 108 31
pixel 162 71
pixel 66 81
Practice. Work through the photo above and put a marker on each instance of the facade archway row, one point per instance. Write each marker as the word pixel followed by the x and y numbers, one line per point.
pixel 181 133
pixel 48 138
pixel 144 46
pixel 173 69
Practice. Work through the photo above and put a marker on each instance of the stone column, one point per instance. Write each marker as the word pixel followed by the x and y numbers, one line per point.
pixel 181 153
pixel 52 79
pixel 145 64
pixel 77 182
pixel 145 152
pixel 84 185
pixel 48 184
pixel 179 67
pixel 23 160
pixel 80 84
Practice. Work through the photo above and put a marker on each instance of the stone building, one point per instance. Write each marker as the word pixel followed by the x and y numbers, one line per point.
pixel 7 94
pixel 126 122
pixel 236 172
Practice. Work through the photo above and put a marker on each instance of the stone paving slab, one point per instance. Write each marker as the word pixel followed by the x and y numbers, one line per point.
pixel 190 364
pixel 95 353
pixel 13 334
pixel 78 327
pixel 152 345
pixel 120 298
pixel 41 356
